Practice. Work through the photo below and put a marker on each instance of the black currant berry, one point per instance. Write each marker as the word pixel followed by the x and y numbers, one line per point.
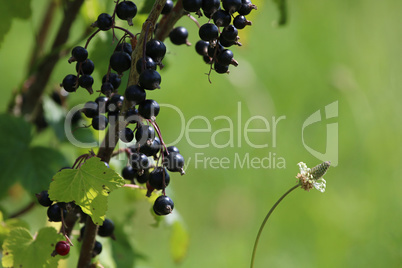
pixel 151 149
pixel 79 54
pixel 202 47
pixel 104 22
pixel 174 162
pixel 144 134
pixel 43 199
pixel 114 79
pixel 97 249
pixel 132 116
pixel 240 22
pixel 159 178
pixel 208 32
pixel 210 6
pixel 150 79
pixel 115 103
pixel 178 36
pixel 106 229
pixel 246 7
pixel 120 62
pixel 155 49
pixel 54 212
pixel 70 83
pixel 107 89
pixel 227 43
pixel 221 69
pixel 125 47
pixel 126 11
pixel 229 33
pixel 101 101
pixel 226 58
pixel 99 122
pixel 171 149
pixel 128 173
pixel 207 59
pixel 231 6
pixel 139 161
pixel 192 5
pixel 86 81
pixel 126 135
pixel 62 248
pixel 221 18
pixel 163 205
pixel 143 178
pixel 90 109
pixel 149 109
pixel 87 67
pixel 135 93
pixel 167 7
pixel 149 64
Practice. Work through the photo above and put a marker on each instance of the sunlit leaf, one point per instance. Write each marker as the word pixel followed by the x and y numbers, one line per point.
pixel 88 186
pixel 20 249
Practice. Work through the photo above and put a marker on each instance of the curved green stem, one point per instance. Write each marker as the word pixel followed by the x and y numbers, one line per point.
pixel 265 221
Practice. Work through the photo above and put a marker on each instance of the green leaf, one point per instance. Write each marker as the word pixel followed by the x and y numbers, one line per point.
pixel 283 16
pixel 179 240
pixel 89 186
pixel 123 253
pixel 20 249
pixel 7 225
pixel 10 10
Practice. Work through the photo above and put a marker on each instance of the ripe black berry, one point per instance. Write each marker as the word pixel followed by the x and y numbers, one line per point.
pixel 90 109
pixel 114 79
pixel 201 47
pixel 172 149
pixel 246 7
pixel 125 47
pixel 167 7
pixel 99 122
pixel 106 229
pixel 174 162
pixel 144 134
pixel 210 6
pixel 43 199
pixel 101 101
pixel 70 83
pixel 221 69
pixel 79 54
pixel 163 205
pixel 221 18
pixel 54 212
pixel 97 249
pixel 126 135
pixel 229 33
pixel 240 22
pixel 208 32
pixel 151 149
pixel 107 88
pixel 149 64
pixel 155 49
pixel 128 173
pixel 225 57
pixel 135 93
pixel 126 11
pixel 87 67
pixel 115 103
pixel 149 109
pixel 178 36
pixel 231 6
pixel 159 178
pixel 86 81
pixel 192 5
pixel 120 62
pixel 139 161
pixel 150 79
pixel 132 116
pixel 104 22
pixel 62 248
pixel 143 178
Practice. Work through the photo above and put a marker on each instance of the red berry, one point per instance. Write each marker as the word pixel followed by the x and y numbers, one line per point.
pixel 62 248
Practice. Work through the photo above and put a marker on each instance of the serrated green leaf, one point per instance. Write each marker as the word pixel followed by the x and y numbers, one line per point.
pixel 20 249
pixel 89 186
pixel 179 240
pixel 282 8
pixel 7 225
pixel 10 10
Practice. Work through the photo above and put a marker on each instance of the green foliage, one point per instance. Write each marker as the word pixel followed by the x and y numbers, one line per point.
pixel 179 240
pixel 88 186
pixel 32 166
pixel 123 253
pixel 8 224
pixel 20 249
pixel 10 10
pixel 282 8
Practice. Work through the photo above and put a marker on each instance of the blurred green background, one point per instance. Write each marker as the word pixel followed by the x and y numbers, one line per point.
pixel 345 51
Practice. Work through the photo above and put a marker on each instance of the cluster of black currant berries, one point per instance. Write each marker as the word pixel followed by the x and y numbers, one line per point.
pixel 216 37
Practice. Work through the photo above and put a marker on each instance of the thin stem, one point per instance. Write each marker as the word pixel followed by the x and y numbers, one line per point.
pixel 24 210
pixel 265 221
